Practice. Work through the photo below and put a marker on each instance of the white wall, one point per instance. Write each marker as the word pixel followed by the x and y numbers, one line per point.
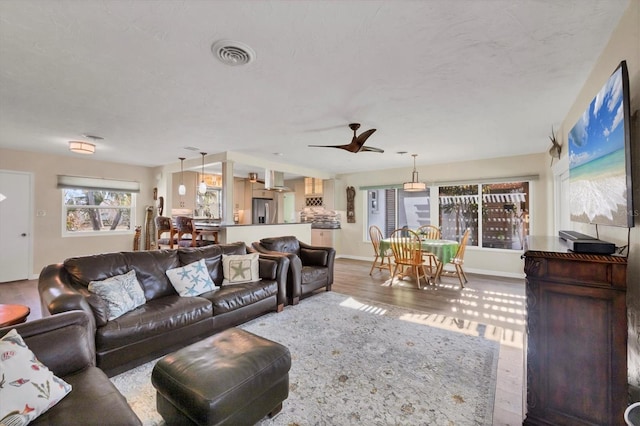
pixel 48 244
pixel 624 44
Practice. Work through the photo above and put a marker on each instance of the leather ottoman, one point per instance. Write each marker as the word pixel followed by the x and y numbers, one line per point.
pixel 231 378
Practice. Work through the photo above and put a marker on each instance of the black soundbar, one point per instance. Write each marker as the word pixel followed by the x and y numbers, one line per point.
pixel 582 243
pixel 574 235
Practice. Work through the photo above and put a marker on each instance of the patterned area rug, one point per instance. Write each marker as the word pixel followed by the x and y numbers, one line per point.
pixel 359 362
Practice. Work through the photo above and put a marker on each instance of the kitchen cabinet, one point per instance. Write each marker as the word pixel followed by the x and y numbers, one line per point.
pixel 323 237
pixel 576 341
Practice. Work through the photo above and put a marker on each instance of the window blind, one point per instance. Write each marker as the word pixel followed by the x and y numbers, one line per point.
pixel 100 184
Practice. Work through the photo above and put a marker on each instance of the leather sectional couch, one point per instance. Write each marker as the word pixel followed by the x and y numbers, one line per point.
pixel 65 344
pixel 166 321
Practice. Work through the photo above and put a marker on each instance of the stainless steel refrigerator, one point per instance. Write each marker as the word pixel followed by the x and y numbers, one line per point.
pixel 264 210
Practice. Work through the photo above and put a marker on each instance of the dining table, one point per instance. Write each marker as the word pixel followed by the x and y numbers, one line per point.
pixel 445 250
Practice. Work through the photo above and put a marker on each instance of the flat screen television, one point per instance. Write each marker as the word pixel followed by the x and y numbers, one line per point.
pixel 600 157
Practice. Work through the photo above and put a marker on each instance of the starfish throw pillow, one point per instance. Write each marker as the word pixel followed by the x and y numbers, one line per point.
pixel 192 279
pixel 240 268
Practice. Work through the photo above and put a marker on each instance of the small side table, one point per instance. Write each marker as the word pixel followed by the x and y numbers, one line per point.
pixel 13 314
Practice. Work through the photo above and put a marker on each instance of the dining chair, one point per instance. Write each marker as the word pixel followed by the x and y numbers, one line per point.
pixel 429 232
pixel 407 252
pixel 457 261
pixel 375 234
pixel 164 225
pixel 184 226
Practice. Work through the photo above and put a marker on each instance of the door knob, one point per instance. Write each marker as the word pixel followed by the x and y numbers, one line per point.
pixel 24 234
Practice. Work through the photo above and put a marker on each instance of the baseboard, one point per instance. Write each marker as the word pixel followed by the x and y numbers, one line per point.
pixel 469 270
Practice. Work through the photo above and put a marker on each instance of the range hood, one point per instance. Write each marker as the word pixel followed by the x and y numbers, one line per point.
pixel 274 181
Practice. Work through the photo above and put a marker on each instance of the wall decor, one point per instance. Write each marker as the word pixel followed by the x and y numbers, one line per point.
pixel 351 195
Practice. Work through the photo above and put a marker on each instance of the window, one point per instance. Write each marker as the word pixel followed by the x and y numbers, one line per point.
pixel 505 215
pixel 497 214
pixel 90 210
pixel 392 208
pixel 97 205
pixel 459 211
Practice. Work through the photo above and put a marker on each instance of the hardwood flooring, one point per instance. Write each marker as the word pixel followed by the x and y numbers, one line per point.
pixel 493 301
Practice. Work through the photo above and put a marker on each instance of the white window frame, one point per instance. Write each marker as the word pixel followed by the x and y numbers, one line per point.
pixel 97 184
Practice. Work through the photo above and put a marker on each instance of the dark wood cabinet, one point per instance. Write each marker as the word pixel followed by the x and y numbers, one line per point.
pixel 576 343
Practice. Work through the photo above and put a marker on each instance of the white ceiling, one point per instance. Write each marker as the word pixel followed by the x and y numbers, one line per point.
pixel 446 79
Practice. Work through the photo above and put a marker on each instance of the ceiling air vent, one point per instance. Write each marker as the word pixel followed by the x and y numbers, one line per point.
pixel 233 53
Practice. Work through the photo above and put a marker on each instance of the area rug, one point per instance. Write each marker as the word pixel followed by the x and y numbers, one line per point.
pixel 360 362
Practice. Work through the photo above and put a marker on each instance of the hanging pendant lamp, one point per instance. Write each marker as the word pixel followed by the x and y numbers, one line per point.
pixel 182 189
pixel 202 188
pixel 414 185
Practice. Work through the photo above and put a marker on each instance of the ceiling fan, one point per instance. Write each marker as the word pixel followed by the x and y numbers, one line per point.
pixel 357 143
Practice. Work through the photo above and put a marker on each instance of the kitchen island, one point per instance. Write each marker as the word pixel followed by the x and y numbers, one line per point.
pixel 251 233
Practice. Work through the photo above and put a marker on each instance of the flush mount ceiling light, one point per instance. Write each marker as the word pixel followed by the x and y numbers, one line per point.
pixel 80 147
pixel 182 189
pixel 202 188
pixel 414 185
pixel 233 53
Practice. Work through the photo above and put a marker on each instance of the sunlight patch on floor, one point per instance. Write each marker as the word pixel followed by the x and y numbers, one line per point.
pixel 470 328
pixel 354 304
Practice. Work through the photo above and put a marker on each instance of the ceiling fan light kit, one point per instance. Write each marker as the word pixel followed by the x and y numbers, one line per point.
pixel 415 185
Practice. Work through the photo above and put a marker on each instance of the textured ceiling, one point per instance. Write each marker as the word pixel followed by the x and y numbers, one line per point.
pixel 447 80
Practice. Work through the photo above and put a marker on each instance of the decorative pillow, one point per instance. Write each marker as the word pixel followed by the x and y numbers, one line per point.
pixel 122 293
pixel 28 387
pixel 192 279
pixel 240 268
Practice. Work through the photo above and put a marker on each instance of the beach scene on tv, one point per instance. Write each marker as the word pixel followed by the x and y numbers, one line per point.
pixel 597 172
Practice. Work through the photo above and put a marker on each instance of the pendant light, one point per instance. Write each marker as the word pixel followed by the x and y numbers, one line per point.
pixel 202 188
pixel 182 189
pixel 414 185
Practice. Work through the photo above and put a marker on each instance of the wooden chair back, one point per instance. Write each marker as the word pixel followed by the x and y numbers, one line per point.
pixel 184 225
pixel 163 224
pixel 459 257
pixel 375 235
pixel 407 252
pixel 429 232
pixel 406 248
pixel 457 262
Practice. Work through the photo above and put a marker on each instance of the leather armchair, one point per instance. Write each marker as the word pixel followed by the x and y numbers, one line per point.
pixel 310 267
pixel 65 344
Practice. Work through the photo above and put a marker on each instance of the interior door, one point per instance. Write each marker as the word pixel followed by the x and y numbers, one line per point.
pixel 15 225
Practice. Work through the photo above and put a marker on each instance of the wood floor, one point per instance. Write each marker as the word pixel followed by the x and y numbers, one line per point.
pixel 493 301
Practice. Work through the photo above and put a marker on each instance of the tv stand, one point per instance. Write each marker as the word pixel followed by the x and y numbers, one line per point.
pixel 582 243
pixel 576 340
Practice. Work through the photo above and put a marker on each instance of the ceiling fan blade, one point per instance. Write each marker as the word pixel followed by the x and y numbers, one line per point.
pixel 330 146
pixel 362 138
pixel 372 149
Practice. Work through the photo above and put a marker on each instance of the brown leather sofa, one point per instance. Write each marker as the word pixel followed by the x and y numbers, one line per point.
pixel 166 321
pixel 65 344
pixel 310 267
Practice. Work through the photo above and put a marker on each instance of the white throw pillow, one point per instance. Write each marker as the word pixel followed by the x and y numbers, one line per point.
pixel 28 388
pixel 240 268
pixel 192 279
pixel 121 293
